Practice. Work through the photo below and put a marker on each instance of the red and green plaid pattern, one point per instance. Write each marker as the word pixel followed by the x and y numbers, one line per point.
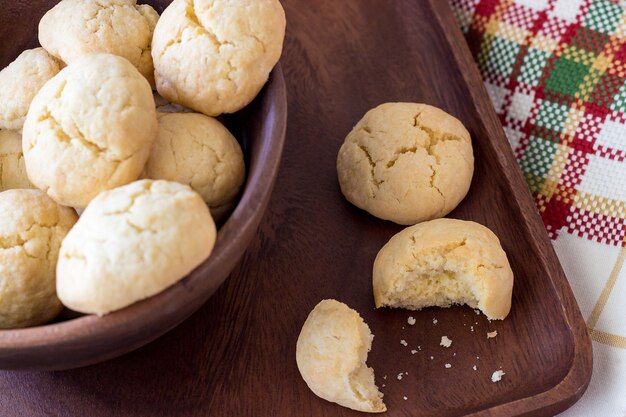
pixel 556 73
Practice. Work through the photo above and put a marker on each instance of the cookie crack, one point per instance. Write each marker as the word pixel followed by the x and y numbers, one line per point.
pixel 139 229
pixel 147 186
pixel 375 181
pixel 400 152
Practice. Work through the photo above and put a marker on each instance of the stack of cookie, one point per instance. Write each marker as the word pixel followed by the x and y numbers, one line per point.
pixel 80 130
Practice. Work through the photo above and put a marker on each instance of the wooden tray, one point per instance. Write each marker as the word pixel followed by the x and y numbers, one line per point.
pixel 236 356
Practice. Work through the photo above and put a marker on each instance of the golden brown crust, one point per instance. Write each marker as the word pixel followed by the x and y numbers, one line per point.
pixel 406 162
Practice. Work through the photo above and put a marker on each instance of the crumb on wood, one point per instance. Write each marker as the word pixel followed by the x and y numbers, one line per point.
pixel 411 320
pixel 491 335
pixel 497 375
pixel 445 342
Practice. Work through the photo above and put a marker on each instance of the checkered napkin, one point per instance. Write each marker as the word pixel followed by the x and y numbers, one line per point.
pixel 556 73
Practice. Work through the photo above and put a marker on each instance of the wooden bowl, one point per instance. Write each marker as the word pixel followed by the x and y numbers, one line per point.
pixel 84 340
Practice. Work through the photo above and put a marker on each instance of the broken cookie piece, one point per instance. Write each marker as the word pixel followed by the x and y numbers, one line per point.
pixel 331 352
pixel 444 262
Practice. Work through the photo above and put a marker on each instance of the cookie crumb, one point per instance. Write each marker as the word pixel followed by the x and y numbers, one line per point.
pixel 448 366
pixel 434 321
pixel 405 398
pixel 491 335
pixel 413 352
pixel 432 357
pixel 399 376
pixel 454 354
pixel 419 348
pixel 472 328
pixel 385 377
pixel 411 320
pixel 403 342
pixel 383 385
pixel 445 342
pixel 473 367
pixel 477 311
pixel 497 376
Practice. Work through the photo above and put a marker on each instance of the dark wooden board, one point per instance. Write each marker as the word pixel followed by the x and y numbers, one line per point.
pixel 236 355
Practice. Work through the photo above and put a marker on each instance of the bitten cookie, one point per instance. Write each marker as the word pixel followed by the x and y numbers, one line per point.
pixel 331 352
pixel 131 243
pixel 89 129
pixel 406 162
pixel 20 82
pixel 75 28
pixel 32 227
pixel 215 56
pixel 12 167
pixel 444 262
pixel 199 151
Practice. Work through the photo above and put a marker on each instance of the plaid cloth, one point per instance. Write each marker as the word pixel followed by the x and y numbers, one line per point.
pixel 556 73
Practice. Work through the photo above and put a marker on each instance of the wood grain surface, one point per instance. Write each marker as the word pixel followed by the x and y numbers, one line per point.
pixel 236 355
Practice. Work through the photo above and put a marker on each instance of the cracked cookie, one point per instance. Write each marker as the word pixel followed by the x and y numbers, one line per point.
pixel 215 56
pixel 131 243
pixel 199 151
pixel 406 162
pixel 443 262
pixel 75 28
pixel 20 82
pixel 89 129
pixel 32 227
pixel 12 168
pixel 331 352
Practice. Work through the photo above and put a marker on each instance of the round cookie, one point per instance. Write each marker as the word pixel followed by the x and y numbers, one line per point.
pixel 75 28
pixel 89 129
pixel 32 227
pixel 20 82
pixel 131 243
pixel 331 353
pixel 199 151
pixel 12 167
pixel 443 262
pixel 406 162
pixel 215 56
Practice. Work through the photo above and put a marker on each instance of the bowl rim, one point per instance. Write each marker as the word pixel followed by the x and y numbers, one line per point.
pixel 243 221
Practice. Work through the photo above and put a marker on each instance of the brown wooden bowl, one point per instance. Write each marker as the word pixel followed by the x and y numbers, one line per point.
pixel 84 340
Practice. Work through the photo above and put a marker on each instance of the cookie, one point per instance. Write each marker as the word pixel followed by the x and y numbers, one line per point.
pixel 75 28
pixel 20 82
pixel 406 162
pixel 199 151
pixel 131 243
pixel 32 227
pixel 215 56
pixel 443 262
pixel 89 129
pixel 331 352
pixel 12 167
